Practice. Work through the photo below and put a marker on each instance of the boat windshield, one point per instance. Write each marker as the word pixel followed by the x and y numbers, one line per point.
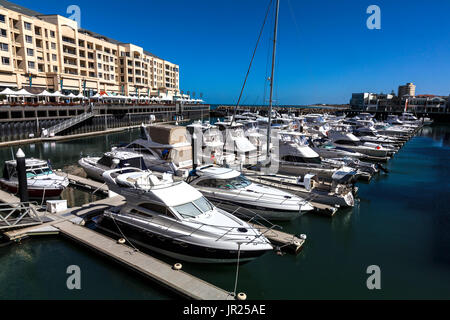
pixel 38 172
pixel 233 183
pixel 195 208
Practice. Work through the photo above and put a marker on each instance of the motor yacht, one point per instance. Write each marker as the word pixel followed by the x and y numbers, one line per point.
pixel 96 166
pixel 297 158
pixel 212 143
pixel 237 143
pixel 343 138
pixel 164 147
pixel 232 191
pixel 42 181
pixel 175 219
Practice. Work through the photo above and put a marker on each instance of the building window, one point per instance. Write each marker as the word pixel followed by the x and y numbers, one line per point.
pixel 31 65
pixel 54 57
pixel 3 33
pixel 29 39
pixel 55 69
pixel 2 18
pixel 30 52
pixel 27 25
pixel 4 46
pixel 99 65
pixel 5 60
pixel 52 33
pixel 53 46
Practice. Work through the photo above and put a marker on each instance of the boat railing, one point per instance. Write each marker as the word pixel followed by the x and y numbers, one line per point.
pixel 228 230
pixel 19 214
pixel 282 183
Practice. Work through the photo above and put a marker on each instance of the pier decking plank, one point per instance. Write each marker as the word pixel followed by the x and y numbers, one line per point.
pixel 178 281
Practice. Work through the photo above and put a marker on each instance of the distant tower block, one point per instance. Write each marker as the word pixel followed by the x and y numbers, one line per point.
pixel 408 89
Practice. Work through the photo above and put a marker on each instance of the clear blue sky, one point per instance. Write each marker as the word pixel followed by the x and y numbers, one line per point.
pixel 325 50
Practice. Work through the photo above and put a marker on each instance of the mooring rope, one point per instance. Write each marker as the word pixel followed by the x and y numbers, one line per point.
pixel 237 269
pixel 123 235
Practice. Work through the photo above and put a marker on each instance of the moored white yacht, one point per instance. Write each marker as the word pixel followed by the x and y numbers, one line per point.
pixel 164 148
pixel 96 166
pixel 211 143
pixel 348 140
pixel 232 191
pixel 174 219
pixel 42 181
pixel 297 158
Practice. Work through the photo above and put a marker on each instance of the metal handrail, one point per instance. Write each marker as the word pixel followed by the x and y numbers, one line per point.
pixel 23 209
pixel 70 122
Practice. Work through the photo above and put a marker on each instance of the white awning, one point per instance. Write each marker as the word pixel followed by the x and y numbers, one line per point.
pixel 44 93
pixel 8 92
pixel 58 94
pixel 24 93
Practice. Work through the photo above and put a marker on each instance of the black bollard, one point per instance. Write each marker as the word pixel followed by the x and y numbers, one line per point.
pixel 22 176
pixel 194 149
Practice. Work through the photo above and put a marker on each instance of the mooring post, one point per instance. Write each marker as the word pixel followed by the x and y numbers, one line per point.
pixel 194 149
pixel 22 176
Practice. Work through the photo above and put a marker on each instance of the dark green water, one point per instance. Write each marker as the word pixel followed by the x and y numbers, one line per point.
pixel 401 224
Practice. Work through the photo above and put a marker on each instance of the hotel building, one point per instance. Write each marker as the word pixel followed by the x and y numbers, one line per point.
pixel 51 52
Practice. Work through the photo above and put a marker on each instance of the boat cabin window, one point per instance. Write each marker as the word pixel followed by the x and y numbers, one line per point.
pixel 105 161
pixel 38 172
pixel 348 143
pixel 194 209
pixel 297 159
pixel 203 204
pixel 188 210
pixel 162 210
pixel 227 184
pixel 134 163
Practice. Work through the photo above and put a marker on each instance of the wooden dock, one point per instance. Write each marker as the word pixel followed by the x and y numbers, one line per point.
pixel 86 183
pixel 180 282
pixel 285 241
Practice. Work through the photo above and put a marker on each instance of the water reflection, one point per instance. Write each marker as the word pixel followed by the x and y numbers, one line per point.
pixel 439 133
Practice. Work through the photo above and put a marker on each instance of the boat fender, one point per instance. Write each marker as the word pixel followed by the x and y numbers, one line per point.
pixel 303 236
pixel 241 296
pixel 309 182
pixel 115 163
pixel 177 266
pixel 121 241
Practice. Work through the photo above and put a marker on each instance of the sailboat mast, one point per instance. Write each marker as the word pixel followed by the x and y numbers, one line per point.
pixel 275 33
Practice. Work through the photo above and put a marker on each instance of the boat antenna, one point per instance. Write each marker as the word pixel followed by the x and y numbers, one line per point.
pixel 275 32
pixel 251 62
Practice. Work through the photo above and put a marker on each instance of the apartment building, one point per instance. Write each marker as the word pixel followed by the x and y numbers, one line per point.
pixel 407 90
pixel 51 52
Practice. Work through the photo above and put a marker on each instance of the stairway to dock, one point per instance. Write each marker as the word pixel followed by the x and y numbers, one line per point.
pixel 52 131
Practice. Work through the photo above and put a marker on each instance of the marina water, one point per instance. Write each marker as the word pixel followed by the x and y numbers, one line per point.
pixel 401 223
